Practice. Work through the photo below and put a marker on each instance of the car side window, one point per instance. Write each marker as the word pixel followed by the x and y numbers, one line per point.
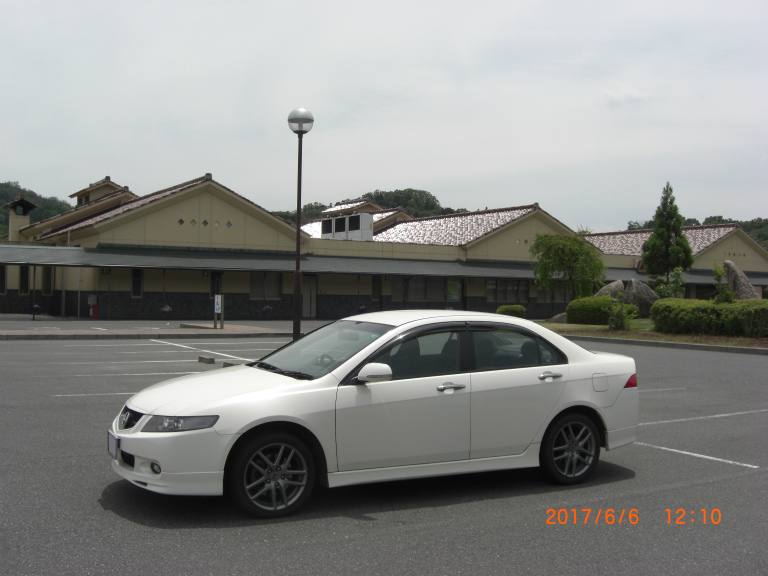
pixel 505 349
pixel 421 356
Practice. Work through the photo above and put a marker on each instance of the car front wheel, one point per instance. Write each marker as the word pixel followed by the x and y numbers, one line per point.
pixel 571 449
pixel 272 475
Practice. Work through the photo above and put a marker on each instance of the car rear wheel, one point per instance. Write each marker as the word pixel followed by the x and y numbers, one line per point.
pixel 571 449
pixel 272 475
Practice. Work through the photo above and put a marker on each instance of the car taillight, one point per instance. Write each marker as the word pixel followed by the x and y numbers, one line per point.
pixel 632 382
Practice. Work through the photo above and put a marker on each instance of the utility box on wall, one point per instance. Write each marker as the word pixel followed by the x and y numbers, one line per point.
pixel 348 227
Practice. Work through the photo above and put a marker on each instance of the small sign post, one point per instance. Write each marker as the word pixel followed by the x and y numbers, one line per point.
pixel 218 310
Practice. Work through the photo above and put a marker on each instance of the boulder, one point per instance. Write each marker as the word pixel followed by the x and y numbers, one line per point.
pixel 558 319
pixel 611 289
pixel 739 283
pixel 642 296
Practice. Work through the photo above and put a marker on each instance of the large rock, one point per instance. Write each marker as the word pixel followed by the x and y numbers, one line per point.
pixel 738 282
pixel 611 289
pixel 558 318
pixel 642 296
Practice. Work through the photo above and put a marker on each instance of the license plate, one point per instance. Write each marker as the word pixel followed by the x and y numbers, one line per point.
pixel 113 444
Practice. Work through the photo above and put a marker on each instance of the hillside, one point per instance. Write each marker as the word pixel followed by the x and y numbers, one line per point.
pixel 418 203
pixel 46 207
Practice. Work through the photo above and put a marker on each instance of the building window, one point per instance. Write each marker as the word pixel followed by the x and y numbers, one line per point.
pixel 490 290
pixel 266 286
pixel 376 288
pixel 47 280
pixel 417 289
pixel 137 283
pixel 497 290
pixel 23 280
pixel 216 283
pixel 559 293
pixel 436 289
pixel 2 278
pixel 398 288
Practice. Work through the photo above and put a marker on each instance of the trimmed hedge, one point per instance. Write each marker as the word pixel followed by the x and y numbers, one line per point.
pixel 595 310
pixel 740 318
pixel 512 310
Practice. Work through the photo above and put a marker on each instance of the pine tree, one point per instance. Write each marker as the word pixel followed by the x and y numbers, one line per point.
pixel 667 248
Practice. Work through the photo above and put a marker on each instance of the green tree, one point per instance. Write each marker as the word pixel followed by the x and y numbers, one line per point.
pixel 568 259
pixel 667 248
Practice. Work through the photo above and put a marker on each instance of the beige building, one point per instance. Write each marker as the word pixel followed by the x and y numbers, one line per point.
pixel 122 256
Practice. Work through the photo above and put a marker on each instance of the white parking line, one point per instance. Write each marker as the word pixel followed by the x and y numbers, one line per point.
pixel 136 374
pixel 201 350
pixel 703 417
pixel 124 362
pixel 101 394
pixel 697 455
pixel 128 343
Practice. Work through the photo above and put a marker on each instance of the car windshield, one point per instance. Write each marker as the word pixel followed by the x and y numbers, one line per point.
pixel 323 350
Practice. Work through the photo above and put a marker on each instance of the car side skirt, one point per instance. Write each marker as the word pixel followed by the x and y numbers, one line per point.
pixel 528 459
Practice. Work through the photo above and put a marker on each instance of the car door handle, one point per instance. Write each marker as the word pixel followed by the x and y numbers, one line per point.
pixel 545 375
pixel 450 386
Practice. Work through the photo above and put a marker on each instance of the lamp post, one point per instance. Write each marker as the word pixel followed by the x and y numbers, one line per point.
pixel 300 121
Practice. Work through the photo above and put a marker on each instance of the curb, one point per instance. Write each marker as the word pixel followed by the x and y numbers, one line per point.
pixel 677 345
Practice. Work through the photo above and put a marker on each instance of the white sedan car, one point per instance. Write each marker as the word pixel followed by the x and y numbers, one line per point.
pixel 375 397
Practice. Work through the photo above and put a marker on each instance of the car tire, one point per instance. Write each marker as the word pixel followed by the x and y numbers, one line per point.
pixel 570 450
pixel 272 475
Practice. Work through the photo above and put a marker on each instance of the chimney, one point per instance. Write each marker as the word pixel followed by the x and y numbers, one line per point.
pixel 18 217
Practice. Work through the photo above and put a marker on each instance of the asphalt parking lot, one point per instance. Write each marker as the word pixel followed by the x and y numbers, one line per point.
pixel 700 456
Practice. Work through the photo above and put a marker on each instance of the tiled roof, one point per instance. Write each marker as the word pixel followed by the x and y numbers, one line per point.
pixel 138 203
pixel 313 228
pixel 81 207
pixel 630 242
pixel 454 229
pixel 381 214
pixel 104 180
pixel 347 206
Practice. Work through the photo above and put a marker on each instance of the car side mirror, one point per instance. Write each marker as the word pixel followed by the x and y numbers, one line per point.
pixel 374 372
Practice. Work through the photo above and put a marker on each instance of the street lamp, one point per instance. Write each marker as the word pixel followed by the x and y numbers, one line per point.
pixel 300 121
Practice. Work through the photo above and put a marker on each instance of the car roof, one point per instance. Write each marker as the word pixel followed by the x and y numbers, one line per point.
pixel 400 317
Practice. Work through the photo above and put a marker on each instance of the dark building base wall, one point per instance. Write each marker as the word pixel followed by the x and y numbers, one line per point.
pixel 120 306
pixel 14 303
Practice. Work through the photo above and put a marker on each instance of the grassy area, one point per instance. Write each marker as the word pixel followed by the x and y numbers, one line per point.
pixel 642 329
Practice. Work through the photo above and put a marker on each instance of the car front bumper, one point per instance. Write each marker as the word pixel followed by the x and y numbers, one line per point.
pixel 185 463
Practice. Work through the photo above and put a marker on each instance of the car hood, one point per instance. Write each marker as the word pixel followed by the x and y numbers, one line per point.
pixel 185 395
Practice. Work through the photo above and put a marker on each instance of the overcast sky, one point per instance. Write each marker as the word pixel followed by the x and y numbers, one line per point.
pixel 587 108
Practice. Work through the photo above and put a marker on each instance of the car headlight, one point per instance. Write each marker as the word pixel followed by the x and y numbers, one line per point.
pixel 178 423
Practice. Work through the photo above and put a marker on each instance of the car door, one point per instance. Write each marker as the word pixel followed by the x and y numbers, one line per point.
pixel 512 393
pixel 421 416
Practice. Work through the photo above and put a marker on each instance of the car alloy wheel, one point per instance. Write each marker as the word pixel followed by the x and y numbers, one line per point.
pixel 571 449
pixel 272 475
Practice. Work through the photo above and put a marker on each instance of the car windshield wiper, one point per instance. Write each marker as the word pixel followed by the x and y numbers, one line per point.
pixel 264 366
pixel 276 370
pixel 297 375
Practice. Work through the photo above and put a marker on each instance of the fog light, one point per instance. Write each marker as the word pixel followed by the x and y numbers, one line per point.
pixel 155 467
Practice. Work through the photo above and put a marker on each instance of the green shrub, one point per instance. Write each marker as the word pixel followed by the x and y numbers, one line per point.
pixel 512 310
pixel 600 310
pixel 741 318
pixel 621 315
